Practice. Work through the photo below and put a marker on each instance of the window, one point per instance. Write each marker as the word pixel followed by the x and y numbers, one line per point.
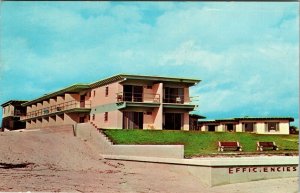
pixel 248 127
pixel 81 119
pixel 173 95
pixel 272 126
pixel 133 120
pixel 94 93
pixel 93 117
pixel 106 91
pixel 106 116
pixel 149 87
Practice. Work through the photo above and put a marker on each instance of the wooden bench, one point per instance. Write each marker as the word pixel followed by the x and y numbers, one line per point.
pixel 266 145
pixel 229 145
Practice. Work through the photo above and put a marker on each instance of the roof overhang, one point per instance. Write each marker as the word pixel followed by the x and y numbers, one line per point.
pixel 13 102
pixel 124 77
pixel 71 89
pixel 197 116
pixel 264 118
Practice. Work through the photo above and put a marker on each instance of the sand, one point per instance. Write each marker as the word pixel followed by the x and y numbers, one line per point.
pixel 43 161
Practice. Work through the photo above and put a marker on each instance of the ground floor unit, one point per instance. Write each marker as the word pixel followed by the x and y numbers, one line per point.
pixel 138 118
pixel 12 123
pixel 259 125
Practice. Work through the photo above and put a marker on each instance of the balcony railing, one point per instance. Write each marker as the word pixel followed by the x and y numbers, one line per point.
pixel 58 107
pixel 174 99
pixel 16 113
pixel 138 97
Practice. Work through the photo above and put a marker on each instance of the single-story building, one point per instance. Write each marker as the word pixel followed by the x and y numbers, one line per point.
pixel 259 125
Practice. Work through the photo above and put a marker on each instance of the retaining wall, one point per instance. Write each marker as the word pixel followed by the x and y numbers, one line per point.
pixel 220 171
pixel 87 132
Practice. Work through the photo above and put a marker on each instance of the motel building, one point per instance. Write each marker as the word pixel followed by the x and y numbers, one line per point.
pixel 129 102
pixel 258 125
pixel 118 102
pixel 11 113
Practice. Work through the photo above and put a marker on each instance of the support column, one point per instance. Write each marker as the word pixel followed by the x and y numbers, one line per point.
pixel 158 112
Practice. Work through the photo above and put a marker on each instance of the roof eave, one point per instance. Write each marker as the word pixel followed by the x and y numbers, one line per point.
pixel 72 88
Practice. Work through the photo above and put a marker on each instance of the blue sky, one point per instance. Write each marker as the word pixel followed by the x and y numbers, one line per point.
pixel 246 54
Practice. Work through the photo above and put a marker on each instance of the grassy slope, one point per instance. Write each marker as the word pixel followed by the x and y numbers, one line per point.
pixel 198 143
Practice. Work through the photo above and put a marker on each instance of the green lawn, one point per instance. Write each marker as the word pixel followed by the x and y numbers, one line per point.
pixel 201 143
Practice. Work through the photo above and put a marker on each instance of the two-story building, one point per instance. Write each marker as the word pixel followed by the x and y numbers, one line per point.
pixel 121 101
pixel 11 113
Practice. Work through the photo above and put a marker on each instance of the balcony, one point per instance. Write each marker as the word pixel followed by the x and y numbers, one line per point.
pixel 138 97
pixel 58 108
pixel 16 113
pixel 174 99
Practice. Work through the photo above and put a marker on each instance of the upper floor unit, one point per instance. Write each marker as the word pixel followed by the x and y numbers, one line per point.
pixel 13 108
pixel 141 90
pixel 70 99
pixel 122 89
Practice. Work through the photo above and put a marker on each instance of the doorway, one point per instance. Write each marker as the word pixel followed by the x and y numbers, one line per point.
pixel 133 120
pixel 248 127
pixel 230 127
pixel 211 128
pixel 173 121
pixel 133 93
pixel 82 101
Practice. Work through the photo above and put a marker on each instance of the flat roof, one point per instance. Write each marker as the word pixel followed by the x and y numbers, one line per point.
pixel 197 116
pixel 265 118
pixel 143 77
pixel 13 102
pixel 72 88
pixel 80 86
pixel 246 119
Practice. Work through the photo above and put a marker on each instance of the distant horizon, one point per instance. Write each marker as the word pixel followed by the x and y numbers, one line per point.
pixel 245 54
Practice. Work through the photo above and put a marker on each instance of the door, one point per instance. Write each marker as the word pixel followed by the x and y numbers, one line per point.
pixel 81 119
pixel 211 128
pixel 248 127
pixel 133 120
pixel 173 121
pixel 173 95
pixel 82 101
pixel 230 127
pixel 133 93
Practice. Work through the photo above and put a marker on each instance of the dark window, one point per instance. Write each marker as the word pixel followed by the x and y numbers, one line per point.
pixel 249 127
pixel 106 116
pixel 133 120
pixel 230 127
pixel 149 87
pixel 94 93
pixel 81 119
pixel 272 126
pixel 211 128
pixel 106 91
pixel 173 95
pixel 173 121
pixel 133 93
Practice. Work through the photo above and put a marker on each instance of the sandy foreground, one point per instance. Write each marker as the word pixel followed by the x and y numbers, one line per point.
pixel 41 161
